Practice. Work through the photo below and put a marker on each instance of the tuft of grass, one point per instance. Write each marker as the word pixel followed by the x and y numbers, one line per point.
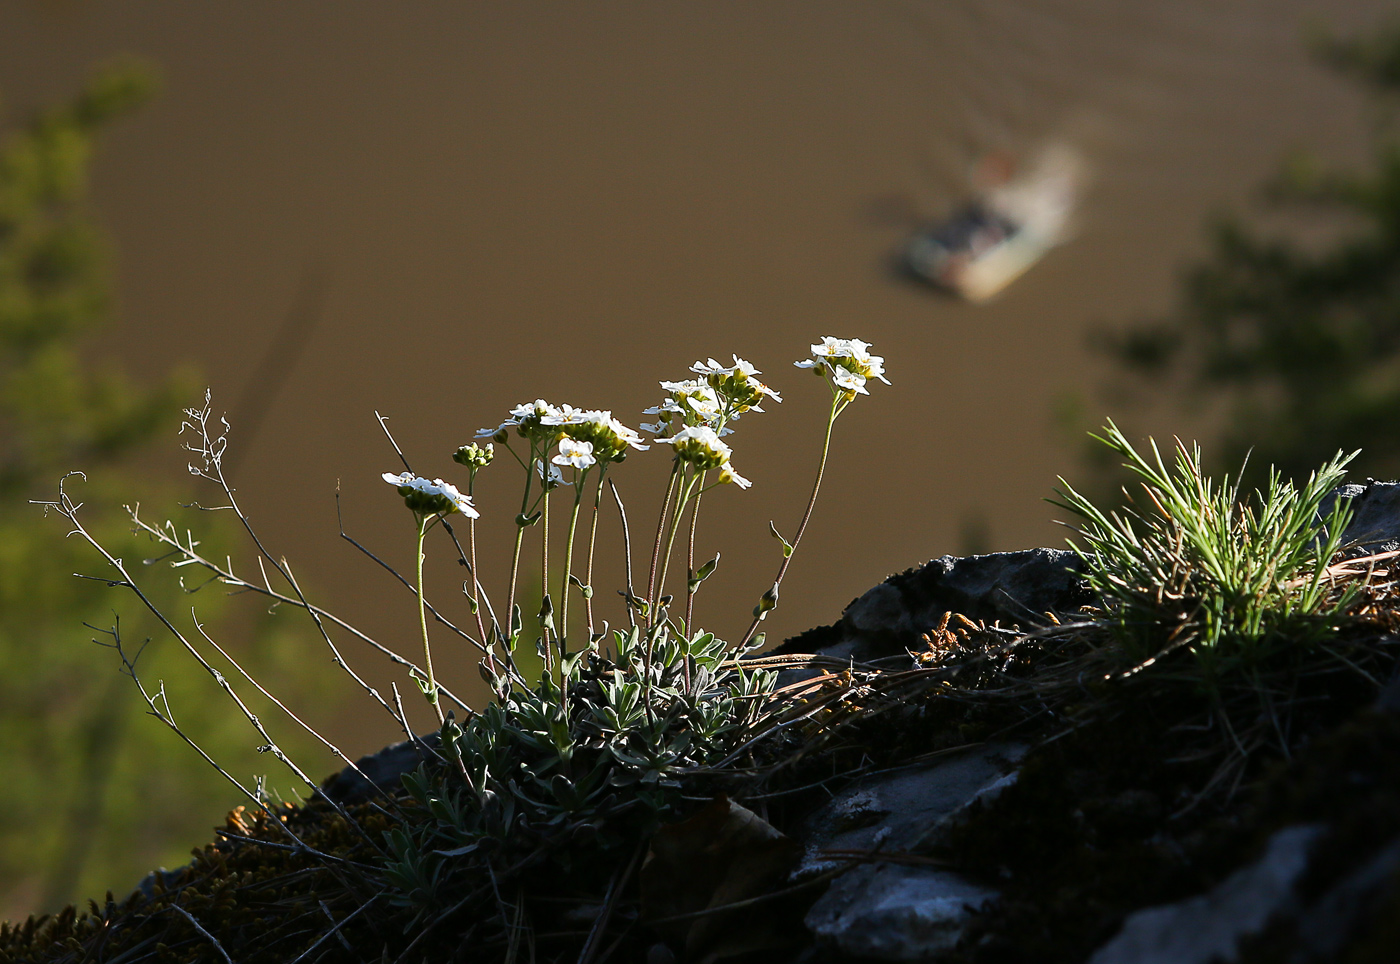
pixel 1189 563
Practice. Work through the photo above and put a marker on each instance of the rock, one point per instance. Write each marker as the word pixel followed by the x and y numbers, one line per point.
pixel 1019 587
pixel 383 769
pixel 1014 587
pixel 904 809
pixel 1326 926
pixel 893 911
pixel 1209 927
pixel 1375 521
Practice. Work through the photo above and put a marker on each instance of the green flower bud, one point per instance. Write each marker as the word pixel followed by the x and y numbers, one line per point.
pixel 474 455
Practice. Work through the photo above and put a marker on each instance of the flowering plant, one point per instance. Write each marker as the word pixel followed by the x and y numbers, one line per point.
pixel 635 707
pixel 692 420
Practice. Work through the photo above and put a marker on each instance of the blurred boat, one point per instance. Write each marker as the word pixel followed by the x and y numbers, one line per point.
pixel 993 239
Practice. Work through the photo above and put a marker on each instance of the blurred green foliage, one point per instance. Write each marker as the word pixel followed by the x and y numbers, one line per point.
pixel 93 794
pixel 1291 337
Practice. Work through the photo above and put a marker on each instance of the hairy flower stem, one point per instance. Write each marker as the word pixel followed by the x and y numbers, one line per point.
pixel 674 527
pixel 520 524
pixel 544 579
pixel 563 633
pixel 660 534
pixel 432 691
pixel 690 589
pixel 477 601
pixel 691 586
pixel 626 556
pixel 838 405
pixel 593 541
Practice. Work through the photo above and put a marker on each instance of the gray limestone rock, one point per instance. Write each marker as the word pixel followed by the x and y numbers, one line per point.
pixel 1324 927
pixel 893 911
pixel 1209 927
pixel 1375 521
pixel 379 773
pixel 903 809
pixel 1019 587
pixel 1014 587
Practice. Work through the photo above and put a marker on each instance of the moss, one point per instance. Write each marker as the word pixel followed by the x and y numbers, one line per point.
pixel 264 899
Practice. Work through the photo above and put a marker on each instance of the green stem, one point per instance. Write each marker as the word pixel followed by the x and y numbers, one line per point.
pixel 592 541
pixel 519 537
pixel 514 573
pixel 690 567
pixel 838 405
pixel 476 592
pixel 569 568
pixel 660 534
pixel 432 693
pixel 544 573
pixel 674 527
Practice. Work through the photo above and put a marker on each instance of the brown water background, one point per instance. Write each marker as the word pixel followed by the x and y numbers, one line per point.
pixel 480 204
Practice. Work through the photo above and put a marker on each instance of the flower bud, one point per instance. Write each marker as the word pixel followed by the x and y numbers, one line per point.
pixel 475 456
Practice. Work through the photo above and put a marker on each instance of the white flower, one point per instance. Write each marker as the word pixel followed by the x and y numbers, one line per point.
pixel 744 368
pixel 847 362
pixel 553 478
pixel 706 406
pixel 693 392
pixel 867 365
pixel 700 445
pixel 848 380
pixel 562 415
pixel 745 372
pixel 727 474
pixel 609 437
pixel 577 454
pixel 693 400
pixel 736 385
pixel 712 368
pixel 430 498
pixel 527 419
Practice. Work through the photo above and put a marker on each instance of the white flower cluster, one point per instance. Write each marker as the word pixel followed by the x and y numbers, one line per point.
pixel 695 415
pixel 720 395
pixel 527 419
pixel 606 439
pixel 847 362
pixel 693 400
pixel 585 436
pixel 736 385
pixel 431 498
pixel 702 447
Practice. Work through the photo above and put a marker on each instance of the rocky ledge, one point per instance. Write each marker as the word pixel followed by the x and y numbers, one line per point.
pixel 1116 820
